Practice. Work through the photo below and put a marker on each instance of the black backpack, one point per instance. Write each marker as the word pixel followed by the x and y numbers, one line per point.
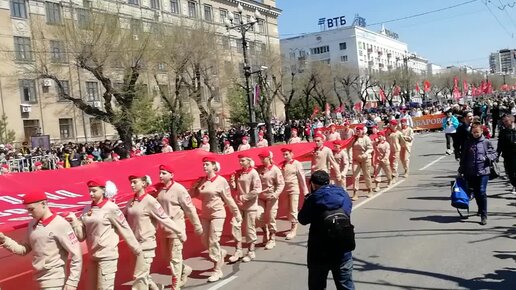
pixel 338 230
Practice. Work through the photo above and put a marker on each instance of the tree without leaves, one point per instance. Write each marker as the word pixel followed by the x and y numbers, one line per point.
pixel 344 82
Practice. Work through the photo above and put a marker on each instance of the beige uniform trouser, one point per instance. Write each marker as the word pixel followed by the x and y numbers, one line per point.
pixel 361 167
pixel 293 202
pixel 175 252
pixel 270 207
pixel 211 233
pixel 385 166
pixel 394 159
pixel 405 158
pixel 343 174
pixel 249 219
pixel 142 278
pixel 101 274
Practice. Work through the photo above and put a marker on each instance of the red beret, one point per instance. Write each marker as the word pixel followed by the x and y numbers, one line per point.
pixel 260 133
pixel 381 133
pixel 205 137
pixel 264 154
pixel 95 182
pixel 5 166
pixel 319 135
pixel 332 126
pixel 337 142
pixel 293 130
pixel 90 156
pixel 245 138
pixel 244 155
pixel 209 159
pixel 166 168
pixel 114 155
pixel 227 142
pixel 346 123
pixel 60 163
pixel 286 149
pixel 393 122
pixel 375 127
pixel 38 163
pixel 403 121
pixel 136 176
pixel 360 127
pixel 34 197
pixel 165 140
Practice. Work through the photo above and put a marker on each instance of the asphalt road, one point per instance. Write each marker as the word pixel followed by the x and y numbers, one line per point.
pixel 408 237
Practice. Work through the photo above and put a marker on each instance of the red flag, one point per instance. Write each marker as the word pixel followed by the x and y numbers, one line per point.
pixel 358 107
pixel 396 91
pixel 417 88
pixel 382 95
pixel 341 108
pixel 456 93
pixel 489 87
pixel 483 87
pixel 505 87
pixel 455 83
pixel 315 111
pixel 426 86
pixel 465 87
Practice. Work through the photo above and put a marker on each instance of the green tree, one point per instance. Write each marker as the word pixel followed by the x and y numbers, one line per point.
pixel 237 102
pixel 6 136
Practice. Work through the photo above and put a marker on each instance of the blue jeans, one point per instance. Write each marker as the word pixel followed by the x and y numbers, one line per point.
pixel 342 274
pixel 477 185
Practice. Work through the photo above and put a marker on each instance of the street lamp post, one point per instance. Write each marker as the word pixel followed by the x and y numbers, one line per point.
pixel 243 27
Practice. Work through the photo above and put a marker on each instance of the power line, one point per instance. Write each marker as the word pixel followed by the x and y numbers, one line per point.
pixel 507 13
pixel 496 18
pixel 503 6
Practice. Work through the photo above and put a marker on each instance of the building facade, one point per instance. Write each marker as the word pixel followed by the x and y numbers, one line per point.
pixel 32 105
pixel 503 61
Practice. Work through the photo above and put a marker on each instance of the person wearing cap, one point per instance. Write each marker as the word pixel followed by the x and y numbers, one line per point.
pixel 333 135
pixel 165 146
pixel 205 145
pixel 38 165
pixel 406 147
pixel 89 159
pixel 382 153
pixel 246 182
pixel 52 240
pixel 362 149
pixel 294 138
pixel 341 156
pixel 100 224
pixel 262 142
pixel 60 165
pixel 214 192
pixel 396 140
pixel 228 149
pixel 295 184
pixel 347 133
pixel 115 157
pixel 5 169
pixel 143 213
pixel 272 186
pixel 245 144
pixel 322 157
pixel 177 203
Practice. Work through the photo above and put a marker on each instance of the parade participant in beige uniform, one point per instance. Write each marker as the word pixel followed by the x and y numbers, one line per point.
pixel 245 144
pixel 262 142
pixel 272 186
pixel 362 149
pixel 205 145
pixel 166 148
pixel 176 201
pixel 51 239
pixel 247 183
pixel 406 147
pixel 5 169
pixel 214 192
pixel 341 156
pixel 143 213
pixel 295 184
pixel 322 157
pixel 396 141
pixel 228 149
pixel 382 153
pixel 334 135
pixel 38 166
pixel 294 138
pixel 347 133
pixel 100 224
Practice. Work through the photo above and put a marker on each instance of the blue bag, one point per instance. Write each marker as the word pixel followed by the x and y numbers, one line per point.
pixel 459 196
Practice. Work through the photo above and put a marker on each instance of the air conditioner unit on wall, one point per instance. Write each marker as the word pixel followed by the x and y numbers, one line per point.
pixel 25 108
pixel 47 82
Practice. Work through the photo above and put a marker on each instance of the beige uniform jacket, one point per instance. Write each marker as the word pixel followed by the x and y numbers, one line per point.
pixel 142 214
pixel 362 146
pixel 51 241
pixel 263 143
pixel 98 225
pixel 408 136
pixel 333 136
pixel 346 134
pixel 176 201
pixel 294 140
pixel 248 186
pixel 396 141
pixel 382 151
pixel 205 147
pixel 243 147
pixel 229 150
pixel 272 182
pixel 214 193
pixel 322 159
pixel 342 158
pixel 294 177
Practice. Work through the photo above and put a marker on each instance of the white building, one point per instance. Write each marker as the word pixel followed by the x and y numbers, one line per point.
pixel 434 69
pixel 503 61
pixel 354 46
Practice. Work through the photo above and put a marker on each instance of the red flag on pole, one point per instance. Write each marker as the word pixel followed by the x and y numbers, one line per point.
pixel 483 88
pixel 396 91
pixel 455 83
pixel 315 111
pixel 382 95
pixel 426 86
pixel 456 93
pixel 489 87
pixel 465 87
pixel 417 88
pixel 358 107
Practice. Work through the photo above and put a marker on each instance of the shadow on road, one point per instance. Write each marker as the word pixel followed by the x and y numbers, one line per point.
pixel 430 197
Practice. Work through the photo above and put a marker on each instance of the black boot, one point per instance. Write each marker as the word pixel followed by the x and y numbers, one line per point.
pixel 483 220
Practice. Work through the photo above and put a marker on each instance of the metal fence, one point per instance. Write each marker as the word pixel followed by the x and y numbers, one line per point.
pixel 27 164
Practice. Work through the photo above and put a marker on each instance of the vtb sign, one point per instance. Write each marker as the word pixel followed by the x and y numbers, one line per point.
pixel 334 22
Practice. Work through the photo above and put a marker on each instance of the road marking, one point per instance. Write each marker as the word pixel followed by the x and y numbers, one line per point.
pixel 432 163
pixel 223 282
pixel 378 194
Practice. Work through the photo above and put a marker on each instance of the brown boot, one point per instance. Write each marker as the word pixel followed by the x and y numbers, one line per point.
pixel 292 233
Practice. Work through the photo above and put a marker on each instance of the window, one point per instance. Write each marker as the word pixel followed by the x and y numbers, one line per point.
pixel 132 2
pixel 174 6
pixel 92 89
pixel 208 13
pixel 162 66
pixel 320 50
pixel 28 91
pixel 95 127
pixel 261 26
pixel 31 128
pixel 237 18
pixel 83 18
pixel 18 9
pixel 343 58
pixel 342 46
pixel 22 48
pixel 136 25
pixel 53 13
pixel 154 4
pixel 66 128
pixel 57 51
pixel 66 89
pixel 192 9
pixel 223 13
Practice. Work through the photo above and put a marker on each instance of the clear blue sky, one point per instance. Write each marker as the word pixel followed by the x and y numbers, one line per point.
pixel 461 35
